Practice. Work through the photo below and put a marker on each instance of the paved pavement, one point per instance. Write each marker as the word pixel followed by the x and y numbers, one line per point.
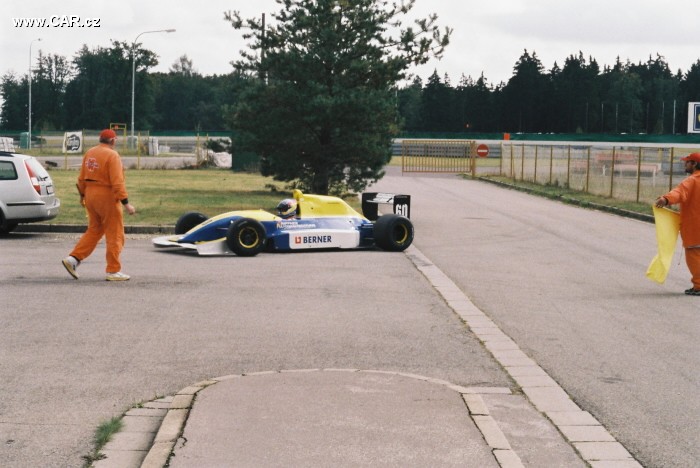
pixel 369 417
pixel 568 286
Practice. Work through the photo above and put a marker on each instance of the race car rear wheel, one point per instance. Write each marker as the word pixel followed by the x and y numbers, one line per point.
pixel 393 232
pixel 246 237
pixel 189 220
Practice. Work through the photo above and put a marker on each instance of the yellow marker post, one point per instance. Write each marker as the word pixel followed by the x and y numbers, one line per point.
pixel 668 224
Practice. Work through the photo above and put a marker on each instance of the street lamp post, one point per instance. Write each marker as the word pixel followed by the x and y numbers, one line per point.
pixel 133 72
pixel 29 134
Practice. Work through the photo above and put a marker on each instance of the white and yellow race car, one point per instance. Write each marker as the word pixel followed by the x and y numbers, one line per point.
pixel 317 222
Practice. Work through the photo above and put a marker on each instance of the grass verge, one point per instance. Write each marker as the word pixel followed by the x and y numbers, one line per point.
pixel 103 434
pixel 161 196
pixel 632 209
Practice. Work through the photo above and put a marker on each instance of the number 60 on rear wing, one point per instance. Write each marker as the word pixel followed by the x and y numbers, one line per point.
pixel 371 200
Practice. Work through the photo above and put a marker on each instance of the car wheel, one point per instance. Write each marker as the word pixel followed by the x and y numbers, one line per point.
pixel 188 221
pixel 393 233
pixel 246 237
pixel 6 227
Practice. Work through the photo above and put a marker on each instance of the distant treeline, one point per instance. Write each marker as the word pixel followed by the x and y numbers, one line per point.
pixel 94 89
pixel 576 98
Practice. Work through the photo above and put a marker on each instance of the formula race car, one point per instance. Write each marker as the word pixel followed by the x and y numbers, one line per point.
pixel 302 222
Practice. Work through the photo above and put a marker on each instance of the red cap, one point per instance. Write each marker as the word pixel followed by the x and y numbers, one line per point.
pixel 107 134
pixel 692 157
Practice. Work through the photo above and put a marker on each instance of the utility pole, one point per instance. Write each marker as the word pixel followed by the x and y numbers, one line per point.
pixel 29 78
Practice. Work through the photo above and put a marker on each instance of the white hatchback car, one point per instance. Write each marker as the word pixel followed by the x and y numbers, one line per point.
pixel 26 192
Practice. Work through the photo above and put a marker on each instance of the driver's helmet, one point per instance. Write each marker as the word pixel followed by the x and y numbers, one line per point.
pixel 287 208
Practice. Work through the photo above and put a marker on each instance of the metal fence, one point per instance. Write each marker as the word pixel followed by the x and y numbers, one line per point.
pixel 632 173
pixel 447 156
pixel 143 143
pixel 627 172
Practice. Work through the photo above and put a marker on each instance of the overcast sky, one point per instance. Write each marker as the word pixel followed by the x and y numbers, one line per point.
pixel 488 38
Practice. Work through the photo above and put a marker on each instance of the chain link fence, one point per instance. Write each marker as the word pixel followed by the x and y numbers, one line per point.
pixel 631 173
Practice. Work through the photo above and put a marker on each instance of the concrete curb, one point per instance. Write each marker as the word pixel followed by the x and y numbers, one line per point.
pixel 172 425
pixel 594 444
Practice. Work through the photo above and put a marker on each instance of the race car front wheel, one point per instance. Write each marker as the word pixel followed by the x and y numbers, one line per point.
pixel 246 237
pixel 189 220
pixel 393 232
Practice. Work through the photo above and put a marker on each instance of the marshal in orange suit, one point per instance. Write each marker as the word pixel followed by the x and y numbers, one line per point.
pixel 687 195
pixel 103 193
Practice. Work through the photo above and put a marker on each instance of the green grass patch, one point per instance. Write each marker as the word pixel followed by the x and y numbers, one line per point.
pixel 161 196
pixel 103 434
pixel 106 430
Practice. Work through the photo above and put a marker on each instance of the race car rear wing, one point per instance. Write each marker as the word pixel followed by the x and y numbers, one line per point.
pixel 371 200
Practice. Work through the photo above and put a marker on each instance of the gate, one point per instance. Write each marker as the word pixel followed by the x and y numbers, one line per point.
pixel 449 156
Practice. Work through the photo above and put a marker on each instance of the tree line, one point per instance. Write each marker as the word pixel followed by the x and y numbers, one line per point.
pixel 578 97
pixel 94 89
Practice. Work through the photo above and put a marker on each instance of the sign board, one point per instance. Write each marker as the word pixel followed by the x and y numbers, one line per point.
pixel 7 144
pixel 694 117
pixel 73 142
pixel 482 150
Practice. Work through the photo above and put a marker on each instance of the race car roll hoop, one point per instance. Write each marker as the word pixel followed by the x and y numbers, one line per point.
pixel 371 200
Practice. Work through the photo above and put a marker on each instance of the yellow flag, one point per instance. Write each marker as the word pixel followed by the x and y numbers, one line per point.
pixel 668 224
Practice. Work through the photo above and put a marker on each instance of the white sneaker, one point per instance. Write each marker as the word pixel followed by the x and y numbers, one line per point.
pixel 118 276
pixel 71 264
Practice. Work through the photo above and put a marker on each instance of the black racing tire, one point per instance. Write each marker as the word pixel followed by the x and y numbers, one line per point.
pixel 246 237
pixel 6 227
pixel 189 220
pixel 393 233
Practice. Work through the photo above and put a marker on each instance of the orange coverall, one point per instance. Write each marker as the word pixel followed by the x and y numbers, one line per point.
pixel 687 193
pixel 101 182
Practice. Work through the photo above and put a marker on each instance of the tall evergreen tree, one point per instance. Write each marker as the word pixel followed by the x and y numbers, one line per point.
pixel 574 93
pixel 322 112
pixel 689 91
pixel 409 106
pixel 436 105
pixel 525 111
pixel 100 93
pixel 51 77
pixel 482 108
pixel 15 93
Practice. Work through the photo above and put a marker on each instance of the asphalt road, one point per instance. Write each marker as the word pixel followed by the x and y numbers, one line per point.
pixel 568 285
pixel 75 353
